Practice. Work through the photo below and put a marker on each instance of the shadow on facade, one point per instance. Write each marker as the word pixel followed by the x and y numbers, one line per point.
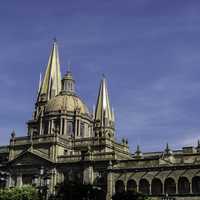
pixel 78 191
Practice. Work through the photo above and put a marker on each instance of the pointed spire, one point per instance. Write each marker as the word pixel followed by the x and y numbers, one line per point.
pixel 13 134
pixel 93 111
pixel 168 150
pixel 40 83
pixel 103 112
pixel 69 66
pixel 198 144
pixel 113 115
pixel 51 85
pixel 138 152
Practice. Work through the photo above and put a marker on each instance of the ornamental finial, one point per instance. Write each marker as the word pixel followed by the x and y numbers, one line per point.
pixel 69 66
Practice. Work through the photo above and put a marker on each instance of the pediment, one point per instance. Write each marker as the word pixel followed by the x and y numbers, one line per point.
pixel 30 158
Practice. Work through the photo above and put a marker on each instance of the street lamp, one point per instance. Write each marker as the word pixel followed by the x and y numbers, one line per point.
pixel 42 183
pixel 3 179
pixel 2 183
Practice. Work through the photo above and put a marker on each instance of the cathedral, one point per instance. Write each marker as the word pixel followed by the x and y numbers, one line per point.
pixel 65 141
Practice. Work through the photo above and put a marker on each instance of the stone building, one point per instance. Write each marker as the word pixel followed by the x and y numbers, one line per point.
pixel 66 141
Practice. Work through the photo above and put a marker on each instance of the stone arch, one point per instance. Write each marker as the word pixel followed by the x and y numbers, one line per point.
pixel 144 186
pixel 156 187
pixel 170 186
pixel 183 185
pixel 119 186
pixel 131 185
pixel 196 185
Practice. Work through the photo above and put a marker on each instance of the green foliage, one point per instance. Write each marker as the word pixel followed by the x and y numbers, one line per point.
pixel 19 193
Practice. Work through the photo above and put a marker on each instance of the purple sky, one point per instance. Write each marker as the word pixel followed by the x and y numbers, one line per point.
pixel 149 51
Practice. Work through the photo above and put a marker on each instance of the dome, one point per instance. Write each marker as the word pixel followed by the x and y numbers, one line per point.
pixel 66 102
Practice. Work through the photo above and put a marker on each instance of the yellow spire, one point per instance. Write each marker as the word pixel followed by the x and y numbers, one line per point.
pixel 51 85
pixel 40 83
pixel 113 115
pixel 103 112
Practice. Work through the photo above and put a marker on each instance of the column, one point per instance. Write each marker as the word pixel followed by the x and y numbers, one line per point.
pixel 137 186
pixel 9 181
pixel 190 187
pixel 49 127
pixel 163 188
pixel 19 180
pixel 125 185
pixel 61 125
pixel 75 128
pixel 150 188
pixel 53 181
pixel 110 186
pixel 41 127
pixel 65 127
pixel 176 187
pixel 52 127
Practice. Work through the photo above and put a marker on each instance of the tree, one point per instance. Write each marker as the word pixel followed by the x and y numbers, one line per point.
pixel 19 193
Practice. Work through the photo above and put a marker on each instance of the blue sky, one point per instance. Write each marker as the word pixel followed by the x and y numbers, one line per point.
pixel 149 51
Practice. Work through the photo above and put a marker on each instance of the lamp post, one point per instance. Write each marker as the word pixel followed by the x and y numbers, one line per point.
pixel 42 182
pixel 3 179
pixel 2 182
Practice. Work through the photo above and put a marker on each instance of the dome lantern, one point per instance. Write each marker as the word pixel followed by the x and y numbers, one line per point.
pixel 68 83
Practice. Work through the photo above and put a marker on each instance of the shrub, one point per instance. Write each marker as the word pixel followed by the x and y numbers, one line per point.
pixel 19 193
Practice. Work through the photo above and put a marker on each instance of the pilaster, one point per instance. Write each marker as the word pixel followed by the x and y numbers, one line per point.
pixel 110 186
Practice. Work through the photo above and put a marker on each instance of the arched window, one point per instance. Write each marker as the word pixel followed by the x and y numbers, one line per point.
pixel 170 186
pixel 131 185
pixel 196 185
pixel 82 129
pixel 144 186
pixel 183 185
pixel 156 186
pixel 70 128
pixel 119 186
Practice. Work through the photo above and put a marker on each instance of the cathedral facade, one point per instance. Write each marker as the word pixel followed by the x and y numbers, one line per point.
pixel 65 141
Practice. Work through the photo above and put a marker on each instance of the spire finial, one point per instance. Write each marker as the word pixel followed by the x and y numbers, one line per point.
pixel 167 149
pixel 138 152
pixel 40 83
pixel 13 133
pixel 113 115
pixel 54 40
pixel 138 149
pixel 198 144
pixel 69 66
